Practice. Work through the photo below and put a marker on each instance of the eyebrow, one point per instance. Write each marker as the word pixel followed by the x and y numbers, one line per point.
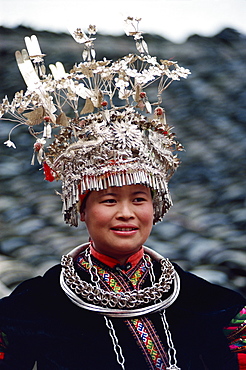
pixel 140 192
pixel 115 194
pixel 102 195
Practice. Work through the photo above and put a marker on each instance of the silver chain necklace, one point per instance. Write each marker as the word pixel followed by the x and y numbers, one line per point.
pixel 123 304
pixel 71 284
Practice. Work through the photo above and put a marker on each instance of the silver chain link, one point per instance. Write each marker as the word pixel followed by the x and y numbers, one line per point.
pixel 117 348
pixel 124 299
pixel 149 266
pixel 95 278
pixel 171 348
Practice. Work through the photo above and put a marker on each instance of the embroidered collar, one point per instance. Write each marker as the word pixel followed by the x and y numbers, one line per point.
pixel 132 261
pixel 113 304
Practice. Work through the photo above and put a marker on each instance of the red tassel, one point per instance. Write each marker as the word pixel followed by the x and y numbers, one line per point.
pixel 48 172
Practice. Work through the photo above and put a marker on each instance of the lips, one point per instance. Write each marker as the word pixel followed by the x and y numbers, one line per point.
pixel 124 228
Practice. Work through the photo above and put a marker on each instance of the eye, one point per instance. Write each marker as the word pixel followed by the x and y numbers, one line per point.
pixel 109 201
pixel 139 200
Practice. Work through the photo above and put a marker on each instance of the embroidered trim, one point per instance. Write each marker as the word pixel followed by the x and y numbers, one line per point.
pixel 141 328
pixel 114 304
pixel 114 280
pixel 149 342
pixel 3 344
pixel 236 332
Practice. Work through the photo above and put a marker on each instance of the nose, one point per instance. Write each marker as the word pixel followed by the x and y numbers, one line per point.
pixel 125 211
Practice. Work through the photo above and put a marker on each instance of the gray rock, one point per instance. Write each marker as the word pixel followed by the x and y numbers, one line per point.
pixel 206 226
pixel 213 276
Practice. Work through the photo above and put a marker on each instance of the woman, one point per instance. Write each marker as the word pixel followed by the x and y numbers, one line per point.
pixel 113 303
pixel 95 329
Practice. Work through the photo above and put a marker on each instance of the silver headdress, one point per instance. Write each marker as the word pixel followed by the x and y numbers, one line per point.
pixel 94 126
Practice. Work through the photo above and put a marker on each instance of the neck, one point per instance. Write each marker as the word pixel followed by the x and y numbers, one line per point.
pixel 112 261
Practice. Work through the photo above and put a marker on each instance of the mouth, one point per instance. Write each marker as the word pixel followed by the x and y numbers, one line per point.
pixel 124 228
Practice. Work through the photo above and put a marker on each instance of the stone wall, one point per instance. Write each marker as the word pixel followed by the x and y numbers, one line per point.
pixel 205 230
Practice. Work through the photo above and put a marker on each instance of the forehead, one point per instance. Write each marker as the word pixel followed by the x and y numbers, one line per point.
pixel 122 190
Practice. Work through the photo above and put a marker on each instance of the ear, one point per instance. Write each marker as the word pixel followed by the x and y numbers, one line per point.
pixel 82 216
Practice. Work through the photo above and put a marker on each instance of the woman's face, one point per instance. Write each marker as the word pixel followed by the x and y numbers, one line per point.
pixel 119 219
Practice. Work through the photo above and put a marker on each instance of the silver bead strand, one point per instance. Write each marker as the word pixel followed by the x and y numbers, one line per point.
pixel 172 366
pixel 117 348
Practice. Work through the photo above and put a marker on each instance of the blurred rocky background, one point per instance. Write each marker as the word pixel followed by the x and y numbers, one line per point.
pixel 205 230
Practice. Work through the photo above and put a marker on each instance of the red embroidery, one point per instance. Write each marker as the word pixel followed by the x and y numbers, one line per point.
pixel 3 344
pixel 242 361
pixel 142 328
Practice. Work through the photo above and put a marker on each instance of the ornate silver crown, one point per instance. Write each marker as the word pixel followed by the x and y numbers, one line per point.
pixel 95 127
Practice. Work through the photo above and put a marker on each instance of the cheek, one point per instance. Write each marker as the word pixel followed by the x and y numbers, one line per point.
pixel 147 215
pixel 97 216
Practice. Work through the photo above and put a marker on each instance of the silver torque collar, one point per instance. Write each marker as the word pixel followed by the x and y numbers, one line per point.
pixel 71 283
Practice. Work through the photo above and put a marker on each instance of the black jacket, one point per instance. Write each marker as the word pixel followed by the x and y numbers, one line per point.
pixel 43 325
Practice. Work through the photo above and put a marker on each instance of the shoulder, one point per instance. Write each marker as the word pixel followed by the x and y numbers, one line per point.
pixel 40 282
pixel 200 296
pixel 33 294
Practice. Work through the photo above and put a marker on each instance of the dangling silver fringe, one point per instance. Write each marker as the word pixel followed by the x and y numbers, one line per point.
pixel 171 349
pixel 70 192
